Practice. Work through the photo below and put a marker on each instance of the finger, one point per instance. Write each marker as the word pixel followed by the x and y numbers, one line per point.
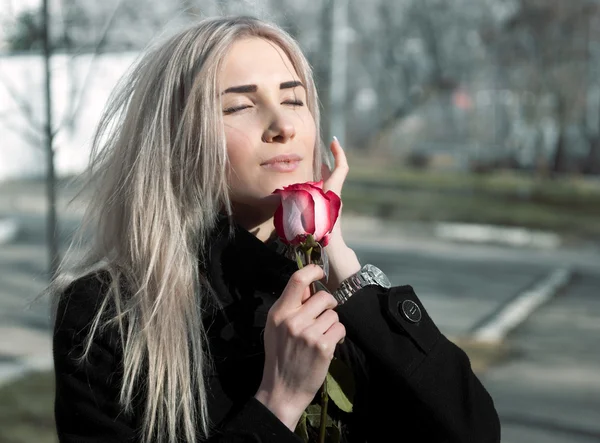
pixel 298 284
pixel 314 288
pixel 334 335
pixel 322 324
pixel 340 171
pixel 325 172
pixel 317 304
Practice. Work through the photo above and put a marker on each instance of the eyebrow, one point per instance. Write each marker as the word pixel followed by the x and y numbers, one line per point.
pixel 254 88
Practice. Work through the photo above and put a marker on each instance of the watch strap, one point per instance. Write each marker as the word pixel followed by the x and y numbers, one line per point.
pixel 352 284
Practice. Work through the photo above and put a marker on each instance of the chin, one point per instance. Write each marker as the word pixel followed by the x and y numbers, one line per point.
pixel 292 179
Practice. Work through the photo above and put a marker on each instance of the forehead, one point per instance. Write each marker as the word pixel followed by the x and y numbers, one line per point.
pixel 255 61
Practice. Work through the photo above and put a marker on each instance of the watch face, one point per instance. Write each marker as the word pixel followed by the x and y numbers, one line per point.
pixel 378 276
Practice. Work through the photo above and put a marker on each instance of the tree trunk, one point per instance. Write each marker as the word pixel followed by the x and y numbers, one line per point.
pixel 558 162
pixel 323 70
pixel 51 223
pixel 592 161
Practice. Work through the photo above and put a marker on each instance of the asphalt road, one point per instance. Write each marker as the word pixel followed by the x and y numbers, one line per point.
pixel 547 391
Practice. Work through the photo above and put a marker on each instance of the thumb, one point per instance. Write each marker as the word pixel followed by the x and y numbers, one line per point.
pixel 297 290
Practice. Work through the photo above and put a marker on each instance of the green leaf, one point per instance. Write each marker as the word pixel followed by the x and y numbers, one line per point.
pixel 335 434
pixel 340 385
pixel 313 415
pixel 302 429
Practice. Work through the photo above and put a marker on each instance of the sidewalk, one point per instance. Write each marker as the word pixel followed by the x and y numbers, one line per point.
pixel 433 238
pixel 550 391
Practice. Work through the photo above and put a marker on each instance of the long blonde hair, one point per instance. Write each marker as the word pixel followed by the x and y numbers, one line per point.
pixel 157 182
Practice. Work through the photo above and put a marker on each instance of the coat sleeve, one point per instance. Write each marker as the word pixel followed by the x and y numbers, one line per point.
pixel 410 360
pixel 87 408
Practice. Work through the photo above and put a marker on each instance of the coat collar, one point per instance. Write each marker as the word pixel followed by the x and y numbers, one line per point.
pixel 245 261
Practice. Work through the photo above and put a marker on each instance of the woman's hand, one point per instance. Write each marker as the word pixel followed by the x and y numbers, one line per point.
pixel 301 334
pixel 342 260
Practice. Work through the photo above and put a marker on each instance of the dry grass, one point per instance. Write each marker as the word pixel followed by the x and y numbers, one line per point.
pixel 27 405
pixel 483 355
pixel 27 410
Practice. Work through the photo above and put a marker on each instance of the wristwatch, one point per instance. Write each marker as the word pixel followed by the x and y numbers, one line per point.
pixel 368 275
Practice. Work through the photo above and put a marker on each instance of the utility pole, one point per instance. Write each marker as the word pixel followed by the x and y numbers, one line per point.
pixel 338 70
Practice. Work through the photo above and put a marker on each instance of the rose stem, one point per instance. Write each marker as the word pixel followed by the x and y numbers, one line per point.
pixel 323 389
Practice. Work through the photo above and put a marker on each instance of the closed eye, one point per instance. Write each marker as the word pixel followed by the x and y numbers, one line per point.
pixel 240 108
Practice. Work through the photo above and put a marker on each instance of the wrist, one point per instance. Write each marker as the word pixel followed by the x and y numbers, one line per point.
pixel 343 263
pixel 287 412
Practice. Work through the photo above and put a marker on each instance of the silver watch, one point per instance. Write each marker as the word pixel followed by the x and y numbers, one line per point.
pixel 368 275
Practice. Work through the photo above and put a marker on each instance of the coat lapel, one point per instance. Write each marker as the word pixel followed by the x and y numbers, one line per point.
pixel 244 268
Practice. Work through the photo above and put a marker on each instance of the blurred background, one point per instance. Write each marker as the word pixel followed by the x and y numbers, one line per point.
pixel 472 129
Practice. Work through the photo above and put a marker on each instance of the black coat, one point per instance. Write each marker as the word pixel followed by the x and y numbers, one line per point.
pixel 413 384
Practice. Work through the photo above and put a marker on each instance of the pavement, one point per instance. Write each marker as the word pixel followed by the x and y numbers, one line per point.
pixel 550 390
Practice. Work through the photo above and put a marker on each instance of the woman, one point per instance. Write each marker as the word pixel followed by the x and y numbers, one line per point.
pixel 184 321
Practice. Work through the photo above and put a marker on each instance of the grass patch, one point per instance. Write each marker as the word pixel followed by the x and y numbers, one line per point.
pixel 482 355
pixel 27 409
pixel 569 206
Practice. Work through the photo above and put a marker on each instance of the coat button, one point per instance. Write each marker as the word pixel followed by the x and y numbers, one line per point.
pixel 411 311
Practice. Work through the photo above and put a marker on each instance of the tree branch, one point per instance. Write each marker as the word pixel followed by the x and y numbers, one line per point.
pixel 75 104
pixel 23 105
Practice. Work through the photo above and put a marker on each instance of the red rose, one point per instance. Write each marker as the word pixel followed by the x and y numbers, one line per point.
pixel 305 209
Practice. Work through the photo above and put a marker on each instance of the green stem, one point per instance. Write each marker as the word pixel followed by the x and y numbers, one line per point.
pixel 324 399
pixel 313 285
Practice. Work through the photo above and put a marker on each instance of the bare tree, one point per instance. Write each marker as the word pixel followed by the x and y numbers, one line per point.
pixel 51 223
pixel 43 133
pixel 543 49
pixel 412 51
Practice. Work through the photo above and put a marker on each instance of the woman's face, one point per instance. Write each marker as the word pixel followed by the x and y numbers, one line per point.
pixel 265 114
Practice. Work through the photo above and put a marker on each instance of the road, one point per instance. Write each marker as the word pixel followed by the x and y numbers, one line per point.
pixel 548 390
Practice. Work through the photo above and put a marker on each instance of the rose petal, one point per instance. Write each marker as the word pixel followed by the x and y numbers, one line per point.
pixel 335 203
pixel 298 214
pixel 278 221
pixel 306 209
pixel 322 225
pixel 321 212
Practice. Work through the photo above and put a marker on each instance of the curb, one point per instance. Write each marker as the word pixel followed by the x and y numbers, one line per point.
pixel 16 371
pixel 23 351
pixel 512 236
pixel 486 344
pixel 515 312
pixel 8 230
pixel 363 227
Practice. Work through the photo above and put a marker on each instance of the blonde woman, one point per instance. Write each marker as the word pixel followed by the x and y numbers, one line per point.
pixel 184 321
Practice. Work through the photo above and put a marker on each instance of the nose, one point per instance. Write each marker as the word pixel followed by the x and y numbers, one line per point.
pixel 280 129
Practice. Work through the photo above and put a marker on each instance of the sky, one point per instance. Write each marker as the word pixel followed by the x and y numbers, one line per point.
pixel 13 7
pixel 9 9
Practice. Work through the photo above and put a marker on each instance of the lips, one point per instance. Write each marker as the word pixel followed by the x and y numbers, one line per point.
pixel 285 166
pixel 285 158
pixel 283 163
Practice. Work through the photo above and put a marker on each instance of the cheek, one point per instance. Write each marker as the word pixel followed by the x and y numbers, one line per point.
pixel 238 147
pixel 310 140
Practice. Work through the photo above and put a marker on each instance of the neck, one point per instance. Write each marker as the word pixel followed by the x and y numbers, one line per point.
pixel 258 223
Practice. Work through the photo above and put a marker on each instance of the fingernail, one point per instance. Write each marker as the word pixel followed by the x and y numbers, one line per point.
pixel 336 139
